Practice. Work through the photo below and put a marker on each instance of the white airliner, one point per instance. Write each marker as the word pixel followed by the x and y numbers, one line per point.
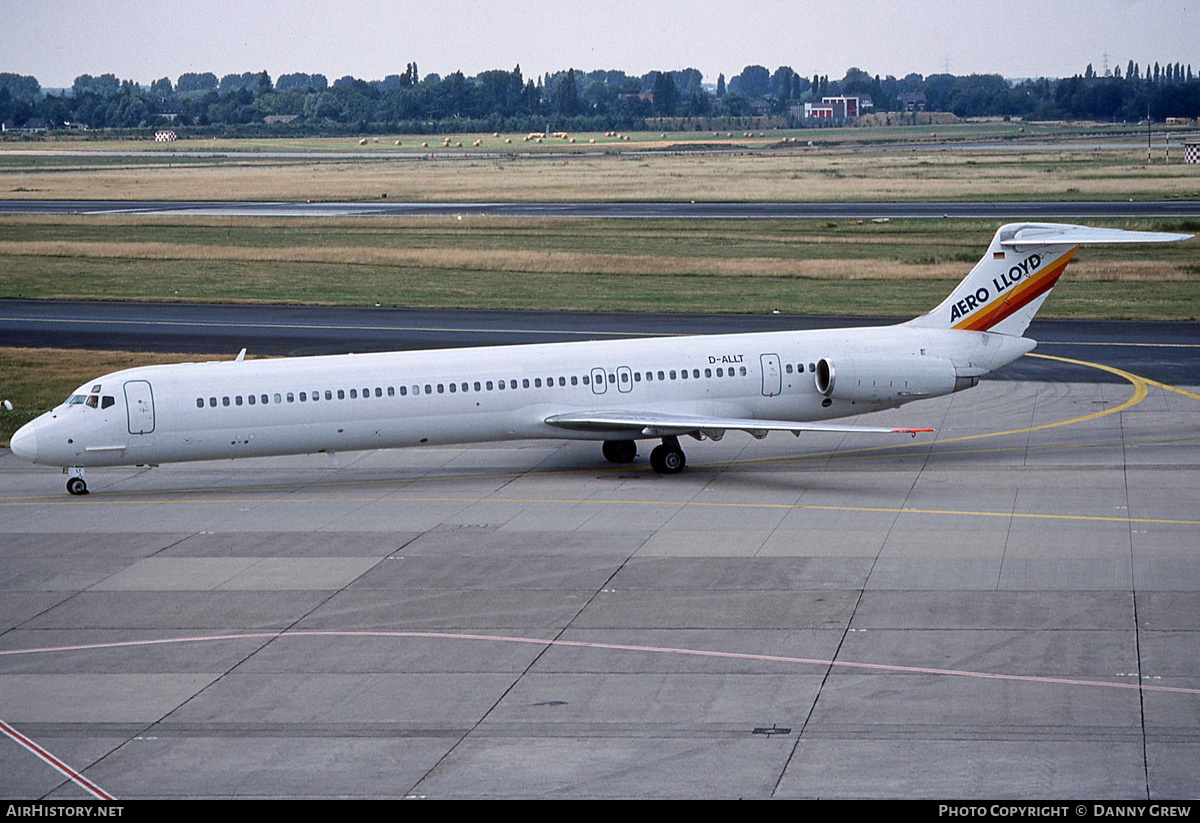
pixel 617 392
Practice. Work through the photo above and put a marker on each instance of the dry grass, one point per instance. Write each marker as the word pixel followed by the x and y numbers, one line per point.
pixel 490 261
pixel 859 266
pixel 792 175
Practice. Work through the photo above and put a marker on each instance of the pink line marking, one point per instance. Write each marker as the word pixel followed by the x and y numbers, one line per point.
pixel 807 661
pixel 56 764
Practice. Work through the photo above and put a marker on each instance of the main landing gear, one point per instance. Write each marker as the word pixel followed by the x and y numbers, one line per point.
pixel 619 451
pixel 665 459
pixel 76 485
pixel 668 458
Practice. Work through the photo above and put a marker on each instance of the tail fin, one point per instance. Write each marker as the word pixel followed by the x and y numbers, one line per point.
pixel 1024 261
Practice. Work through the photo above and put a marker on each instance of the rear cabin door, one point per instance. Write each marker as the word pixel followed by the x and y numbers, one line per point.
pixel 771 375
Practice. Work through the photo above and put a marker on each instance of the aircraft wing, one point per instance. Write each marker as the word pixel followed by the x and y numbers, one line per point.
pixel 653 424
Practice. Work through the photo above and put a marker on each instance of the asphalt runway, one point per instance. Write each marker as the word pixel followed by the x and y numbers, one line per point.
pixel 1165 351
pixel 1000 211
pixel 1008 607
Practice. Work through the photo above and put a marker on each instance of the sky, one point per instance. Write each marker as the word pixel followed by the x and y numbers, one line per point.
pixel 57 40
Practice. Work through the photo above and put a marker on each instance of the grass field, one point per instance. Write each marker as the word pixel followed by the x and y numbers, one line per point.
pixel 887 163
pixel 800 267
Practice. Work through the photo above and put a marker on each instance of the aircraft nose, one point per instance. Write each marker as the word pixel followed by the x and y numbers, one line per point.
pixel 24 442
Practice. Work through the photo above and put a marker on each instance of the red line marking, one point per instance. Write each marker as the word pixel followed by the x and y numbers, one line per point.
pixel 56 764
pixel 807 661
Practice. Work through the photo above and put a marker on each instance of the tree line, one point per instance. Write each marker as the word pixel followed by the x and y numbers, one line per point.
pixel 574 100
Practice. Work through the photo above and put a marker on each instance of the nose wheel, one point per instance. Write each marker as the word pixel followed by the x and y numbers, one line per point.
pixel 76 485
pixel 668 458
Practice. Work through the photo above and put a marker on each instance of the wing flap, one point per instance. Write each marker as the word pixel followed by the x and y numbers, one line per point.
pixel 653 424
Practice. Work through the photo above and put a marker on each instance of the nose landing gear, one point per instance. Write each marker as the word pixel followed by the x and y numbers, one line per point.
pixel 76 485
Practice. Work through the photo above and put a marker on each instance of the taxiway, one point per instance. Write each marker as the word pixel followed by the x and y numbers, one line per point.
pixel 1006 608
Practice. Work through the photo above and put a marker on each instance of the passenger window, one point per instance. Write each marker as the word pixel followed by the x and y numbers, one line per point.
pixel 525 382
pixel 250 399
pixel 661 377
pixel 812 366
pixel 354 394
pixel 378 392
pixel 428 389
pixel 624 377
pixel 672 374
pixel 291 397
pixel 512 384
pixel 237 401
pixel 199 402
pixel 500 385
pixel 328 394
pixel 453 388
pixel 574 380
pixel 224 401
pixel 743 370
pixel 649 377
pixel 537 382
pixel 585 380
pixel 708 372
pixel 404 391
pixel 278 397
pixel 489 385
pixel 720 372
pixel 788 368
pixel 391 391
pixel 441 388
pixel 479 387
pixel 212 402
pixel 637 377
pixel 467 388
pixel 264 399
pixel 303 397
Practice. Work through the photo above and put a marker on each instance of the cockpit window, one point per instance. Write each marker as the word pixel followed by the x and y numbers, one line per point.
pixel 93 401
pixel 76 399
pixel 107 401
pixel 96 389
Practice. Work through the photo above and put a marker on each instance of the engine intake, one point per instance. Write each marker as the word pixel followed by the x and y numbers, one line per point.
pixel 888 379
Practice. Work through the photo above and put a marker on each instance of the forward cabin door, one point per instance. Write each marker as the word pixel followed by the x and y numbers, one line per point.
pixel 139 406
